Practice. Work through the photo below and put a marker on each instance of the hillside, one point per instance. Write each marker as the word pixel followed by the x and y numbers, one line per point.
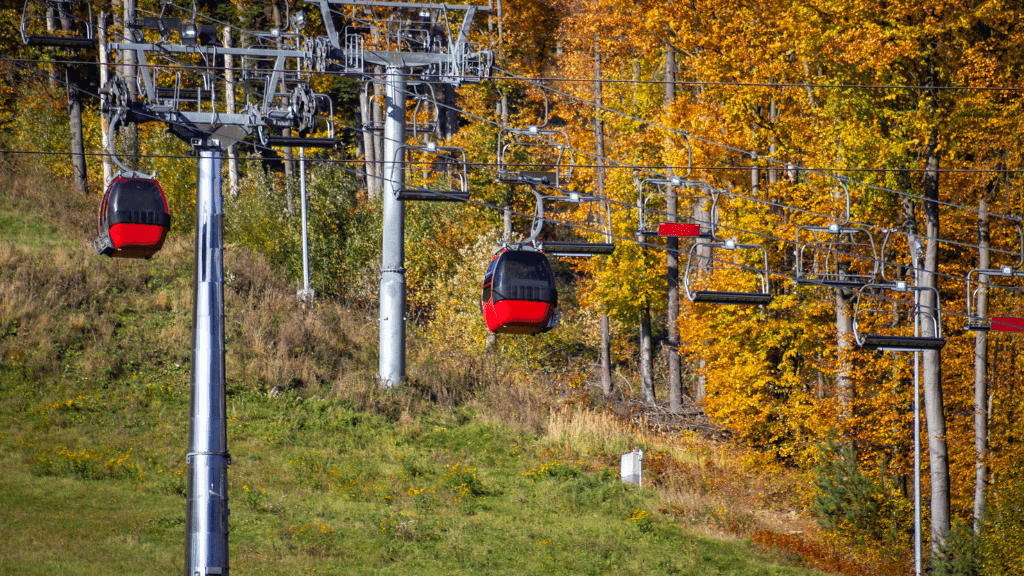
pixel 464 470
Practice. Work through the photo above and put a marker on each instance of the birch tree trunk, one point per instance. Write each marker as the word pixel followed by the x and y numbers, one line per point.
pixel 844 343
pixel 646 369
pixel 931 374
pixel 377 108
pixel 373 185
pixel 129 71
pixel 229 100
pixel 108 166
pixel 981 367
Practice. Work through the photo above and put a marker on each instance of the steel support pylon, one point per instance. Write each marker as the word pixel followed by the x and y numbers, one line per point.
pixel 206 517
pixel 392 270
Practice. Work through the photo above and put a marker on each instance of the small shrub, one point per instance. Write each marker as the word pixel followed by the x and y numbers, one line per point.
pixel 558 469
pixel 643 520
pixel 849 501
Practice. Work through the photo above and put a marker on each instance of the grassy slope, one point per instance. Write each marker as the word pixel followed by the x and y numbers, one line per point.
pixel 330 476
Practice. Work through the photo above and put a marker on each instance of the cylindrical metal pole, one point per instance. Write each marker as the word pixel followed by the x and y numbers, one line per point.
pixel 305 238
pixel 392 270
pixel 206 528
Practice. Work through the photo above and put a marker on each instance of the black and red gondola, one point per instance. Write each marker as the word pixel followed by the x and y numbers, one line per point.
pixel 133 217
pixel 519 294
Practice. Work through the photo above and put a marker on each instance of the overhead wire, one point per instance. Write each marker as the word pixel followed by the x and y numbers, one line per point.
pixel 780 164
pixel 740 230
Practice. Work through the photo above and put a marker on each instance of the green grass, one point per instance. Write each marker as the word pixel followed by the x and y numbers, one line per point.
pixel 332 475
pixel 93 479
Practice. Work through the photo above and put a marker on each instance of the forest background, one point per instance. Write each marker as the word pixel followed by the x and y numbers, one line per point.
pixel 912 110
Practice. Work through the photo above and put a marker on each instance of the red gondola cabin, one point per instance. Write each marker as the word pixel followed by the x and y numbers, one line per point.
pixel 519 295
pixel 133 218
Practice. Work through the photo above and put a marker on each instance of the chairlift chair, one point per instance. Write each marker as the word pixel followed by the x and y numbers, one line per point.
pixel 535 155
pixel 573 249
pixel 982 281
pixel 759 272
pixel 883 333
pixel 435 173
pixel 838 254
pixel 60 23
pixel 651 200
pixel 983 285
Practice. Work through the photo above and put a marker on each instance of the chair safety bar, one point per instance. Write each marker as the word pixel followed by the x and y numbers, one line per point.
pixel 892 341
pixel 997 323
pixel 763 296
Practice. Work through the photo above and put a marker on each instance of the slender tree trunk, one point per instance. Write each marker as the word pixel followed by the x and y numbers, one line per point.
pixel 844 342
pixel 606 344
pixel 289 163
pixel 373 184
pixel 773 172
pixel 377 108
pixel 101 29
pixel 77 141
pixel 502 113
pixel 672 258
pixel 670 73
pixel 981 368
pixel 702 215
pixel 646 368
pixel 606 355
pixel 129 71
pixel 229 99
pixel 931 368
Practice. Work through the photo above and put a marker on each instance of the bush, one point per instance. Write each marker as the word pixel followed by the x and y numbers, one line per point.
pixel 870 510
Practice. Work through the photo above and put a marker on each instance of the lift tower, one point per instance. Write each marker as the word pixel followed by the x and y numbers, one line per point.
pixel 405 43
pixel 197 113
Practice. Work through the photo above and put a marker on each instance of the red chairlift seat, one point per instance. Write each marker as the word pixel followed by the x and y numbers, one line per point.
pixel 519 295
pixel 133 218
pixel 1007 324
pixel 679 229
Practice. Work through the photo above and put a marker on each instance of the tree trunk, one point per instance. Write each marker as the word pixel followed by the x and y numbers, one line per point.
pixel 377 108
pixel 844 342
pixel 108 166
pixel 670 73
pixel 129 71
pixel 600 175
pixel 646 364
pixel 672 258
pixel 981 367
pixel 289 163
pixel 931 368
pixel 606 355
pixel 373 184
pixel 229 100
pixel 77 141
